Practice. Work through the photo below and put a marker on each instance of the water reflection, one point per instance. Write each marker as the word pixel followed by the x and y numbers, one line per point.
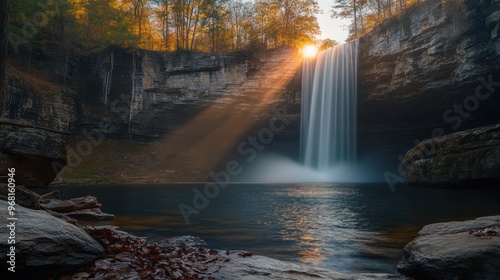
pixel 314 217
pixel 347 228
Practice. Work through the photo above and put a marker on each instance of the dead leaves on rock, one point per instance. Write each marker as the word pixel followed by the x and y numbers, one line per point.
pixel 131 257
pixel 486 233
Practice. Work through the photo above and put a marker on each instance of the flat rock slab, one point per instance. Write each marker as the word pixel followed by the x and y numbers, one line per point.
pixel 94 214
pixel 24 196
pixel 455 250
pixel 74 204
pixel 243 265
pixel 46 243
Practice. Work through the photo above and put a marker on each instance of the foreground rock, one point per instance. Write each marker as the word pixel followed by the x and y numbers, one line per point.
pixel 243 265
pixel 81 208
pixel 461 158
pixel 455 250
pixel 72 210
pixel 24 196
pixel 131 257
pixel 70 205
pixel 45 243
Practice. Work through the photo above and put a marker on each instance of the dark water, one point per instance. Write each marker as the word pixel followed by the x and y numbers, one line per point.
pixel 342 227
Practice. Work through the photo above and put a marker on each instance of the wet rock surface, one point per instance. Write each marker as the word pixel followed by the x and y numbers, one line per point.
pixel 242 266
pixel 455 250
pixel 47 244
pixel 131 257
pixel 70 205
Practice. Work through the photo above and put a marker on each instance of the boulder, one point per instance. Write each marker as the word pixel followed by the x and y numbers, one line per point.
pixel 51 195
pixel 462 158
pixel 243 266
pixel 71 205
pixel 75 209
pixel 455 250
pixel 45 243
pixel 94 214
pixel 24 196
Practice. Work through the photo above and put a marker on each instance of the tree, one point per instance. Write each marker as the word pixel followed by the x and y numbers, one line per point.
pixel 163 13
pixel 368 13
pixel 347 9
pixel 327 43
pixel 4 32
pixel 297 21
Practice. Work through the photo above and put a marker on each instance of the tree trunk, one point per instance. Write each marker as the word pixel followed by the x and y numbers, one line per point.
pixel 355 10
pixel 194 30
pixel 4 32
pixel 167 15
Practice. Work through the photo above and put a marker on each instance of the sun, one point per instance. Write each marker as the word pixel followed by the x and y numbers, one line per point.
pixel 309 51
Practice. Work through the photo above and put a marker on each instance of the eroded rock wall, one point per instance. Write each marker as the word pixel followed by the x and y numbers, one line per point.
pixel 433 71
pixel 40 116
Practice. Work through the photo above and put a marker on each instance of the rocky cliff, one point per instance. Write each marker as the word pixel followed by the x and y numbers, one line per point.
pixel 433 71
pixel 139 95
pixel 198 108
pixel 40 117
pixel 148 94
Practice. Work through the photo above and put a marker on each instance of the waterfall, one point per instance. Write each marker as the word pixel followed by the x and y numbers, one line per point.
pixel 329 91
pixel 109 76
pixel 131 110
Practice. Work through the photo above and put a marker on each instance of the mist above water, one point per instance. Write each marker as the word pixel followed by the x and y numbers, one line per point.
pixel 328 126
pixel 276 168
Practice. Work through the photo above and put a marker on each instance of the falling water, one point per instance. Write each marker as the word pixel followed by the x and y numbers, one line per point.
pixel 131 110
pixel 329 86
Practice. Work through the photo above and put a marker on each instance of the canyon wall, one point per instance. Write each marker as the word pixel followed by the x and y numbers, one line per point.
pixel 433 71
pixel 40 118
pixel 148 95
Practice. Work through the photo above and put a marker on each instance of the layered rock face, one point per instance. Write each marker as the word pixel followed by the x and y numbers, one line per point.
pixel 158 92
pixel 455 250
pixel 467 157
pixel 40 117
pixel 434 71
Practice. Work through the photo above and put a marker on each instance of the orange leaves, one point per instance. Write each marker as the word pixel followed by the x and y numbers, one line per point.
pixel 128 256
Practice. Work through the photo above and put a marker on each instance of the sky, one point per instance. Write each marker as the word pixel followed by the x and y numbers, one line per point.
pixel 336 29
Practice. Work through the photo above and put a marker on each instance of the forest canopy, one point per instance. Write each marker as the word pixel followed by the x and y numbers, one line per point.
pixel 166 25
pixel 366 14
